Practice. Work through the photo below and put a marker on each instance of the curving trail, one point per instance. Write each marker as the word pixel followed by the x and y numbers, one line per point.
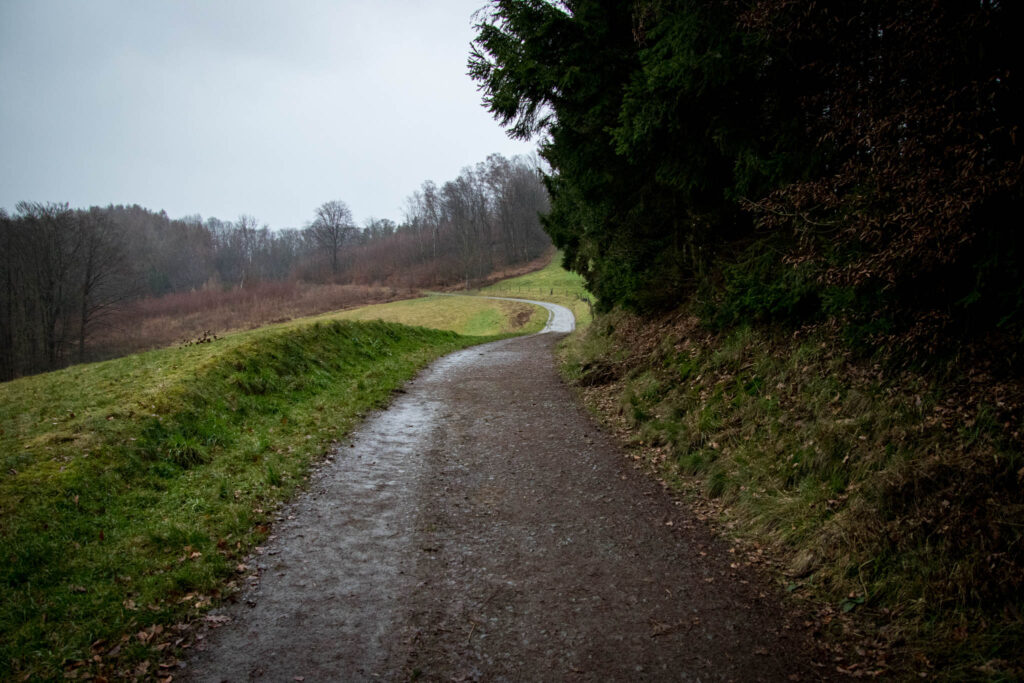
pixel 560 318
pixel 482 528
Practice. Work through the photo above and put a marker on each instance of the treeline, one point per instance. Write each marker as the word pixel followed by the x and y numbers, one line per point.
pixel 486 218
pixel 66 271
pixel 785 161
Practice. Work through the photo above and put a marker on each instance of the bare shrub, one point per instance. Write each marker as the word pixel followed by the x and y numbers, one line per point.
pixel 177 318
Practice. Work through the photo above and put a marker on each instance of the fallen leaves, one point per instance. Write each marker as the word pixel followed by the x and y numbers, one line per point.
pixel 158 660
pixel 216 620
pixel 146 635
pixel 661 629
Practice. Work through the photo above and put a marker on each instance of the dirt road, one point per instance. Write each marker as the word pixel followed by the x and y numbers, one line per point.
pixel 482 528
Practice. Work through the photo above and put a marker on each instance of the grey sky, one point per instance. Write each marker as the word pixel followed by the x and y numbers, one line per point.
pixel 223 107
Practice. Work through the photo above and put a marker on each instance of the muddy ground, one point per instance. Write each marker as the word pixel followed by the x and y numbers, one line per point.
pixel 483 528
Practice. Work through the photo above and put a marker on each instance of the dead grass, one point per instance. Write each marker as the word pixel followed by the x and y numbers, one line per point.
pixel 181 318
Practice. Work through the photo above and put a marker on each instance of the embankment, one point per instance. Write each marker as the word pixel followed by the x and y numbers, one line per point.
pixel 887 501
pixel 131 489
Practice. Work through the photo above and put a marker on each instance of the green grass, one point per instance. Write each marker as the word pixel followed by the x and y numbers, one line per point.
pixel 131 489
pixel 899 503
pixel 551 283
pixel 463 315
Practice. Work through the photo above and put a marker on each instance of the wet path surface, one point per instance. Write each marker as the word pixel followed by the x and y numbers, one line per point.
pixel 482 528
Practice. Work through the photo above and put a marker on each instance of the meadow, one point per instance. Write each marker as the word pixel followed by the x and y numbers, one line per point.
pixel 156 322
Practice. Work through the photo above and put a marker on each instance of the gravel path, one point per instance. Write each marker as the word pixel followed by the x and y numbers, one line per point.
pixel 482 528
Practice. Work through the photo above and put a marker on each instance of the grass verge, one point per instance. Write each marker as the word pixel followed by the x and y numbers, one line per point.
pixel 888 499
pixel 131 490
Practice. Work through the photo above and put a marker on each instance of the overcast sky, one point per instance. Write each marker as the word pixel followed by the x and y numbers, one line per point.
pixel 224 107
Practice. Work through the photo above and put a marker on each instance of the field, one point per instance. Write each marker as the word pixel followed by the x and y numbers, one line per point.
pixel 465 315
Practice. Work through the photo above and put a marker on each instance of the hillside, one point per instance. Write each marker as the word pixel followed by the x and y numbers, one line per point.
pixel 886 500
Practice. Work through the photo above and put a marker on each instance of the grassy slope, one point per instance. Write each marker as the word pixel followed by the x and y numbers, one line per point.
pixel 891 505
pixel 551 283
pixel 457 314
pixel 130 489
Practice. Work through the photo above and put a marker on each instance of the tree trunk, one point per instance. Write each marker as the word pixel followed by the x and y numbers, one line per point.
pixel 83 321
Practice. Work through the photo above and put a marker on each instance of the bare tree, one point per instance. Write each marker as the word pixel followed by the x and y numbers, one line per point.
pixel 10 279
pixel 49 247
pixel 331 228
pixel 103 272
pixel 432 213
pixel 62 271
pixel 379 228
pixel 249 240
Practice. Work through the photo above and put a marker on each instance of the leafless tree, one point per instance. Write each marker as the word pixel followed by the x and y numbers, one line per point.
pixel 63 269
pixel 103 272
pixel 332 228
pixel 49 245
pixel 379 228
pixel 9 277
